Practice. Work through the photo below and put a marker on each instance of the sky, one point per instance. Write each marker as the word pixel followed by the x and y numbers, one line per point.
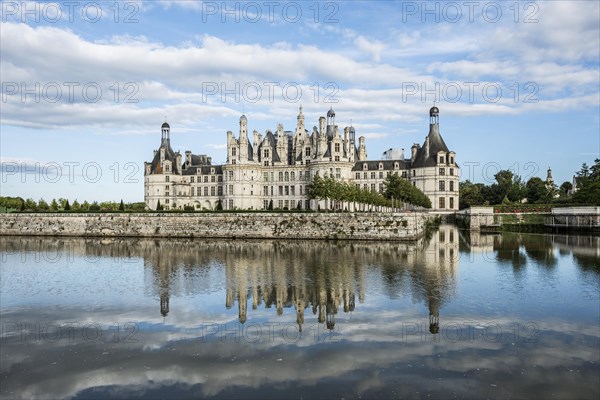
pixel 86 85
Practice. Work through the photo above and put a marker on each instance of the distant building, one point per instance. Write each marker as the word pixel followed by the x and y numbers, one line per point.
pixel 278 166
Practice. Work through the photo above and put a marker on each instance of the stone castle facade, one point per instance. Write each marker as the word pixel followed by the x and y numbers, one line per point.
pixel 277 168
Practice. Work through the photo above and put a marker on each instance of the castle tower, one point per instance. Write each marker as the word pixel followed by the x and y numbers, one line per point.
pixel 166 133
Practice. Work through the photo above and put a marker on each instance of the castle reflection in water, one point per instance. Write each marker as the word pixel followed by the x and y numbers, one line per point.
pixel 314 279
pixel 320 278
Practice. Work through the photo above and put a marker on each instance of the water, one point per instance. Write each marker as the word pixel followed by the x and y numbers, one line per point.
pixel 452 316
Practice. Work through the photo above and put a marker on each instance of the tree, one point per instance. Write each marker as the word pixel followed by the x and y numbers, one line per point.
pixel 85 206
pixel 76 206
pixel 54 205
pixel 537 191
pixel 121 206
pixel 589 193
pixel 30 204
pixel 94 207
pixel 400 188
pixel 565 188
pixel 270 207
pixel 470 194
pixel 158 206
pixel 67 206
pixel 219 206
pixel 42 205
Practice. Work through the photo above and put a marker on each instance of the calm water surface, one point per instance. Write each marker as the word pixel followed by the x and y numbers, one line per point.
pixel 452 316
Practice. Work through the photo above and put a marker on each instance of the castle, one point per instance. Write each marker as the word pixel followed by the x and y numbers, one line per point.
pixel 275 169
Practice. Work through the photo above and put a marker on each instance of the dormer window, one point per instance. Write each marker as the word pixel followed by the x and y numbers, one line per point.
pixel 266 153
pixel 234 152
pixel 365 167
pixel 441 159
pixel 380 165
pixel 212 170
pixel 395 165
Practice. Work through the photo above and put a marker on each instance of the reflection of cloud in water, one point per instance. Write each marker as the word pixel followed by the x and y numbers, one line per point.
pixel 378 364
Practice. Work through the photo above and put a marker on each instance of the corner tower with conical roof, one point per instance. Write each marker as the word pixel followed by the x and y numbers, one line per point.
pixel 434 169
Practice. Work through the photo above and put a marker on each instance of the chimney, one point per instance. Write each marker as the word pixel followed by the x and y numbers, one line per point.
pixel 413 153
pixel 427 147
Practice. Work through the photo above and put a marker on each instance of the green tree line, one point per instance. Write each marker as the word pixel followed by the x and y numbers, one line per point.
pixel 396 191
pixel 12 204
pixel 510 188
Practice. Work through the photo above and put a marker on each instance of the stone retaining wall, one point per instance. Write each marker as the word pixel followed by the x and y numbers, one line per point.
pixel 365 226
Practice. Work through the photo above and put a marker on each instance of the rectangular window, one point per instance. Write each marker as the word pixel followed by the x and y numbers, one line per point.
pixel 287 190
pixel 452 186
pixel 266 190
pixel 234 152
pixel 230 176
pixel 167 201
pixel 337 158
pixel 167 194
pixel 280 204
pixel 230 204
pixel 307 162
pixel 442 202
pixel 280 191
pixel 206 190
pixel 372 175
pixel 365 175
pixel 338 173
pixel 451 172
pixel 337 147
pixel 287 205
pixel 230 190
pixel 381 188
pixel 442 171
pixel 307 152
pixel 293 190
pixel 301 190
pixel 233 162
pixel 451 160
pixel 414 172
pixel 404 174
pixel 265 204
pixel 220 191
pixel 191 179
pixel 372 187
pixel 266 153
pixel 441 159
pixel 357 175
pixel 192 192
pixel 166 187
pixel 206 178
pixel 451 202
pixel 212 178
pixel 212 190
pixel 167 178
pixel 381 175
pixel 442 186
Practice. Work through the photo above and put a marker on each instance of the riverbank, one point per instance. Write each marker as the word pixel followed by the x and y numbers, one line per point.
pixel 567 219
pixel 406 226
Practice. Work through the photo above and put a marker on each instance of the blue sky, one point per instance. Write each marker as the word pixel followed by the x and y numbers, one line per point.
pixel 86 88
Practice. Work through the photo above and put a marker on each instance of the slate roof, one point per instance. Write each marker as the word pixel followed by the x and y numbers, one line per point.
pixel 204 170
pixel 170 155
pixel 436 143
